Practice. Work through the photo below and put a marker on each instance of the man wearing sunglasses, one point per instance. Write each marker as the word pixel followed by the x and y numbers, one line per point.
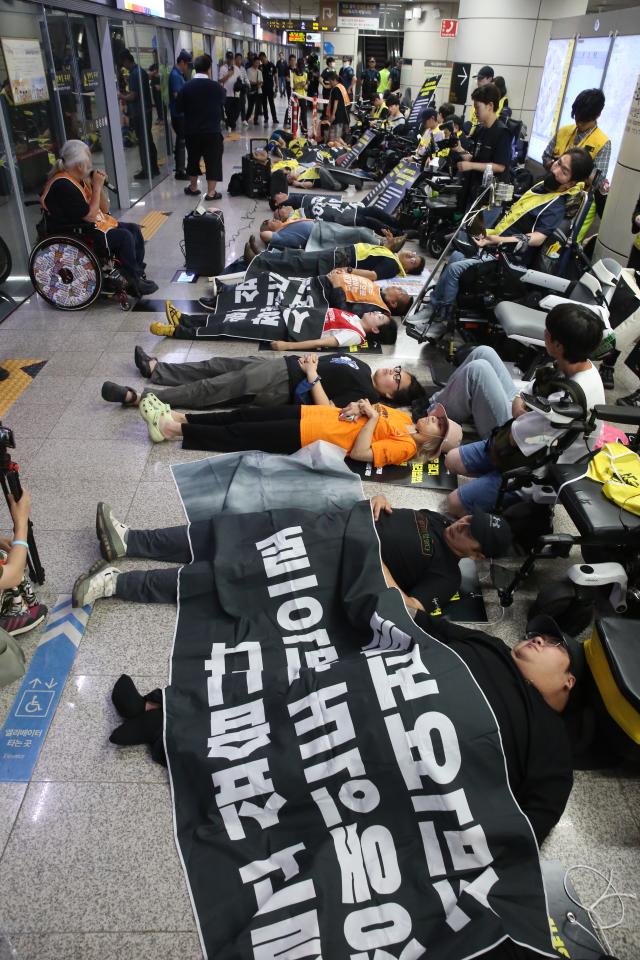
pixel 527 686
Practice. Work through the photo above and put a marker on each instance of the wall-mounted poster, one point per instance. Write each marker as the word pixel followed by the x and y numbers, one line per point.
pixel 25 67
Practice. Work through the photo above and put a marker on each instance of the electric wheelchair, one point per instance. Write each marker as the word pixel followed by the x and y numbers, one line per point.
pixel 71 268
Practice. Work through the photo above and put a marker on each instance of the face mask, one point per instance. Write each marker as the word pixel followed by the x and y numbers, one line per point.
pixel 550 182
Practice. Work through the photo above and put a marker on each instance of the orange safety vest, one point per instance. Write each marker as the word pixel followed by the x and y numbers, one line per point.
pixel 345 95
pixel 103 221
pixel 362 290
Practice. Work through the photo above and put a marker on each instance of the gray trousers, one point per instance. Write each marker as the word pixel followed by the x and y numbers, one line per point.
pixel 154 586
pixel 222 381
pixel 481 388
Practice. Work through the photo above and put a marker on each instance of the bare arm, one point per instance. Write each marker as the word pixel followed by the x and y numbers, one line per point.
pixel 410 601
pixel 97 181
pixel 13 569
pixel 304 344
pixel 361 450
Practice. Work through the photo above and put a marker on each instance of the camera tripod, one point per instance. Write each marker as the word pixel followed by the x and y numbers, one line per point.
pixel 10 480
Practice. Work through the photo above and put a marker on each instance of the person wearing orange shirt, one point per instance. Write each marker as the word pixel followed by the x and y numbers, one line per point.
pixel 371 433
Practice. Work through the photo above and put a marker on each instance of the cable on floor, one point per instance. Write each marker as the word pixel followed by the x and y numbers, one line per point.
pixel 591 911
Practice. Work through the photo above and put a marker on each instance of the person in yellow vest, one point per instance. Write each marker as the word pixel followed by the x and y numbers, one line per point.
pixel 369 260
pixel 585 133
pixel 483 76
pixel 428 140
pixel 338 113
pixel 299 80
pixel 74 194
pixel 384 79
pixel 528 223
pixel 504 110
pixel 379 110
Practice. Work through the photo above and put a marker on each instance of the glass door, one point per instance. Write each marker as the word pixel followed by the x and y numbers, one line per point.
pixel 150 53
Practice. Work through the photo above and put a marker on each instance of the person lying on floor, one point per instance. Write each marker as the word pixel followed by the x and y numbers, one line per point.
pixel 332 210
pixel 528 224
pixel 375 262
pixel 266 382
pixel 420 552
pixel 295 232
pixel 572 333
pixel 528 687
pixel 370 433
pixel 341 289
pixel 340 328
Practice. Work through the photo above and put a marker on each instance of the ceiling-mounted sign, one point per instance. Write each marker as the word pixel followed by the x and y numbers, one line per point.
pixel 365 16
pixel 328 15
pixel 448 28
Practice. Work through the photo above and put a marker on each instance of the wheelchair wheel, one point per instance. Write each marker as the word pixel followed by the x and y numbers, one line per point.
pixel 436 242
pixel 65 273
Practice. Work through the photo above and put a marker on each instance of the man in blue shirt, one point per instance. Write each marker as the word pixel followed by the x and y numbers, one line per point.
pixel 180 73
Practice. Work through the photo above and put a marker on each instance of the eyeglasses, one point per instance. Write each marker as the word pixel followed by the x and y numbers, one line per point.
pixel 549 641
pixel 397 377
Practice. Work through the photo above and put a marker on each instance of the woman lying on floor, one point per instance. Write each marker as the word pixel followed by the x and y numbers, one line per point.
pixel 370 433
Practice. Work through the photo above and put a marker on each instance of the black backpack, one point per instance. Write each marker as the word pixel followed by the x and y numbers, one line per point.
pixel 236 187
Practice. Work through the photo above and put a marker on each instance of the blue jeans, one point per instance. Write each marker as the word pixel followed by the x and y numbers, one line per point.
pixel 483 491
pixel 480 388
pixel 446 289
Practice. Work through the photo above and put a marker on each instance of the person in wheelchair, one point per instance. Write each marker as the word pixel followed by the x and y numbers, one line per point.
pixel 74 195
pixel 525 227
pixel 572 333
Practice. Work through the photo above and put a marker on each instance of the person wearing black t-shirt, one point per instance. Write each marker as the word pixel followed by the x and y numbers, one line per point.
pixel 421 550
pixel 330 68
pixel 263 381
pixel 527 688
pixel 268 88
pixel 490 143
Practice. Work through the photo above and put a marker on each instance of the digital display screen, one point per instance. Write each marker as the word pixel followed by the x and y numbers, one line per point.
pixel 295 36
pixel 619 87
pixel 152 8
pixel 587 68
pixel 554 79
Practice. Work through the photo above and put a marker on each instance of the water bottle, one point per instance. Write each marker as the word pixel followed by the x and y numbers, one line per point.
pixel 487 176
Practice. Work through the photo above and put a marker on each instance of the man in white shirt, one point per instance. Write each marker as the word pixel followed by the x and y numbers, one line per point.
pixel 254 76
pixel 572 334
pixel 229 74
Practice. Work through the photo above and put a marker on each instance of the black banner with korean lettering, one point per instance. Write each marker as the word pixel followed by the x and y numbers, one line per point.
pixel 338 781
pixel 347 160
pixel 389 193
pixel 426 97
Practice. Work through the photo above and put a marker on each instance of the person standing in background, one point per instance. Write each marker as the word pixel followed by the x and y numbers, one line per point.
pixel 156 89
pixel 347 76
pixel 138 101
pixel 202 101
pixel 177 79
pixel 268 88
pixel 281 70
pixel 254 76
pixel 369 80
pixel 299 85
pixel 241 90
pixel 384 79
pixel 394 75
pixel 228 76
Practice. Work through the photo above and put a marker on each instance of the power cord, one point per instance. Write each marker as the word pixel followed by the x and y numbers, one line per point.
pixel 591 911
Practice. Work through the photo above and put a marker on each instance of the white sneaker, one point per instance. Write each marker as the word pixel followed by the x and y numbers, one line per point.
pixel 245 123
pixel 99 582
pixel 111 533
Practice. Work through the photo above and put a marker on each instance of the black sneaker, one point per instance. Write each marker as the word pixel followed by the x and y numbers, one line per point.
pixel 606 375
pixel 146 286
pixel 142 361
pixel 631 400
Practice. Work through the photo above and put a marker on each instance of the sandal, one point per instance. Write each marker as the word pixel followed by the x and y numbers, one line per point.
pixel 191 193
pixel 213 196
pixel 152 409
pixel 115 393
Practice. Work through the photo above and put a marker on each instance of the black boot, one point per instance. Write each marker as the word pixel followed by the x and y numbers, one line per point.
pixel 631 400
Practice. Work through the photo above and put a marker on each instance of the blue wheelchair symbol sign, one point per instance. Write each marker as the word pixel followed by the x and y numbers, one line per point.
pixel 35 703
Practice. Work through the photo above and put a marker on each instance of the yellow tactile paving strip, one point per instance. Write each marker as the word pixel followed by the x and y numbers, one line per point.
pixel 152 223
pixel 16 383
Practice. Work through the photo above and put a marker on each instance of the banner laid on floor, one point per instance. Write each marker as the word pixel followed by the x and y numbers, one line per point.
pixel 338 780
pixel 267 323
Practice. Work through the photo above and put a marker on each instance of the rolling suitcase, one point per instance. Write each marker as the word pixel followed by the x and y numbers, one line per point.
pixel 204 245
pixel 255 176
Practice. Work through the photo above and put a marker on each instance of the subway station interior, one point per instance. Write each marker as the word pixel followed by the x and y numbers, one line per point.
pixel 320 460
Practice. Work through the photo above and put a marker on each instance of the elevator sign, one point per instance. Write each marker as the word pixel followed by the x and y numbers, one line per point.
pixel 448 29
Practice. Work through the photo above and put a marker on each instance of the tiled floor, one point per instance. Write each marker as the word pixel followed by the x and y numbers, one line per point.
pixel 88 864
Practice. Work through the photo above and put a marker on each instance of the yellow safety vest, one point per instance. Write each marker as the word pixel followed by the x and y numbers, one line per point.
pixel 568 137
pixel 299 83
pixel 636 242
pixel 528 202
pixel 288 165
pixel 618 470
pixel 503 100
pixel 364 250
pixel 376 113
pixel 103 221
pixel 384 80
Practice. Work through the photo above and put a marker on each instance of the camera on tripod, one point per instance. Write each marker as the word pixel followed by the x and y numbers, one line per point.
pixel 10 481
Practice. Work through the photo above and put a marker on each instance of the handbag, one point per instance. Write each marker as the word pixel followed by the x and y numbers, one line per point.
pixel 11 659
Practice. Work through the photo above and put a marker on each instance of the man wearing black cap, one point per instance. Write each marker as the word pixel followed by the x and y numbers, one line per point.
pixel 179 75
pixel 527 688
pixel 483 76
pixel 421 550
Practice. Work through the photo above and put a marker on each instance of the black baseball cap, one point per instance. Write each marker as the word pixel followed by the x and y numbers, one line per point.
pixel 543 624
pixel 185 56
pixel 492 532
pixel 484 72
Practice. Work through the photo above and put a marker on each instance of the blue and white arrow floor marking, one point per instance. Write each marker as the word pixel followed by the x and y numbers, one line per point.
pixel 24 731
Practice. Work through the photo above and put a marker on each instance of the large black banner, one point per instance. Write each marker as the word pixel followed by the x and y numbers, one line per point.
pixel 271 290
pixel 338 780
pixel 387 194
pixel 426 97
pixel 330 208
